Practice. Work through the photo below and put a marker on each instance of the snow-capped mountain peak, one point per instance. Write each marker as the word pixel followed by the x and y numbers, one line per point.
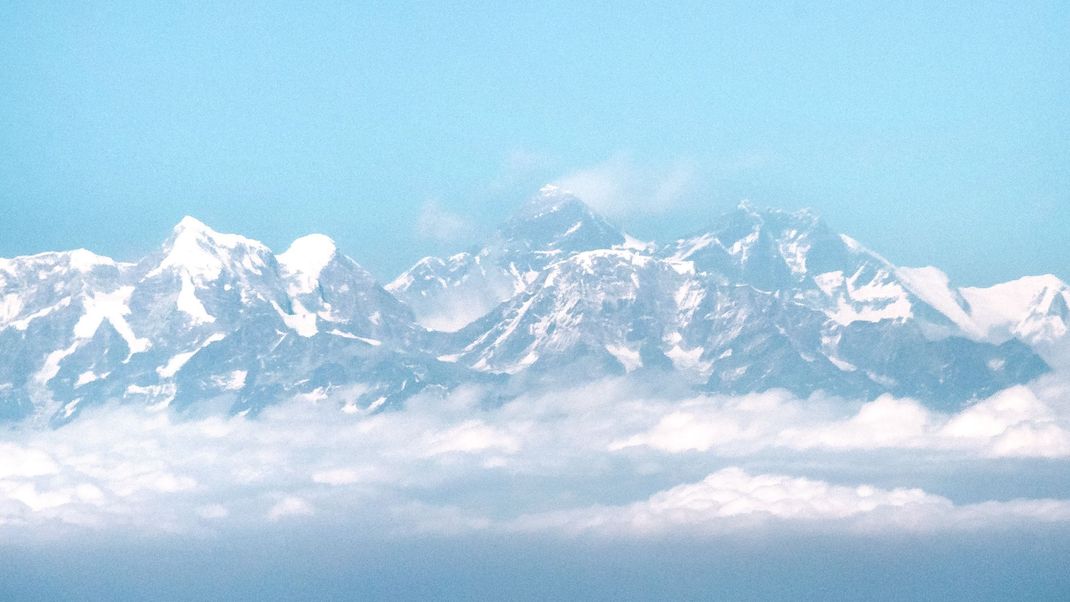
pixel 204 253
pixel 556 220
pixel 34 286
pixel 208 316
pixel 448 293
pixel 306 258
pixel 767 248
pixel 80 260
pixel 762 298
pixel 1035 309
pixel 188 223
pixel 549 199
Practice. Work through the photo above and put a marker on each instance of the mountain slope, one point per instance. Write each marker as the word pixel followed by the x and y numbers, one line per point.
pixel 760 299
pixel 210 317
pixel 448 293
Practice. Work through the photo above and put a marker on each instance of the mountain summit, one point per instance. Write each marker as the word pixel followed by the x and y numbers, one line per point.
pixel 760 299
pixel 448 293
pixel 210 317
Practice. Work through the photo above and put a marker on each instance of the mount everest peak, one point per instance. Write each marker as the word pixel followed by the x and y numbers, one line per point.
pixel 449 293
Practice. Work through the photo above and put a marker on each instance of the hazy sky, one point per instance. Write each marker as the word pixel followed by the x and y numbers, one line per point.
pixel 933 134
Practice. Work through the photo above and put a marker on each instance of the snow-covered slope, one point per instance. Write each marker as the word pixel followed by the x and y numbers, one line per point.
pixel 448 293
pixel 210 316
pixel 612 304
pixel 1033 309
pixel 798 255
pixel 760 299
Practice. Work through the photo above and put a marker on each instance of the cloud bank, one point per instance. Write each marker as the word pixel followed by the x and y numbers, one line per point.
pixel 1011 423
pixel 604 457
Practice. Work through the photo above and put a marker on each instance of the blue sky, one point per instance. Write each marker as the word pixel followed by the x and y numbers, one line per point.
pixel 934 134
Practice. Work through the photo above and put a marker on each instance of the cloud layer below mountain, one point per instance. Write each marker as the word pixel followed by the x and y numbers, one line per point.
pixel 612 457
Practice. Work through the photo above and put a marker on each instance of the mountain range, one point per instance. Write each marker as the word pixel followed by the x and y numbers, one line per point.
pixel 760 299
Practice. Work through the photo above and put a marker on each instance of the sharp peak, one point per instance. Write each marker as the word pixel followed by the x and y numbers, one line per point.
pixel 551 198
pixel 748 207
pixel 553 191
pixel 764 219
pixel 190 227
pixel 769 219
pixel 191 224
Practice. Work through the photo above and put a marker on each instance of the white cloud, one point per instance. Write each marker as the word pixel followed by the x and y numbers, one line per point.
pixel 17 461
pixel 685 431
pixel 336 476
pixel 471 436
pixel 732 497
pixel 289 506
pixel 1011 423
pixel 438 224
pixel 521 162
pixel 562 457
pixel 620 187
pixel 883 422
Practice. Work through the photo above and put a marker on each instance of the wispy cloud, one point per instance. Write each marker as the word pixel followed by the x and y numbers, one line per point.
pixel 620 186
pixel 522 170
pixel 441 225
pixel 290 506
